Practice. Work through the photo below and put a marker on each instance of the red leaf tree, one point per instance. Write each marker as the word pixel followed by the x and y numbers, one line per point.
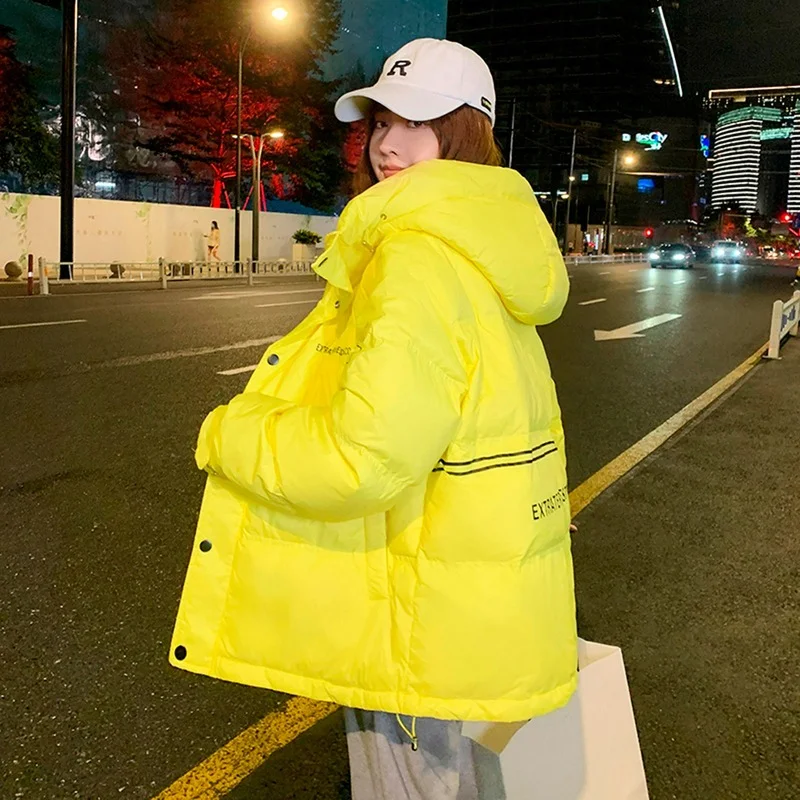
pixel 176 73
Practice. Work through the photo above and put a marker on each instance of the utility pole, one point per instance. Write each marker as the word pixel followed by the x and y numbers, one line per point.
pixel 612 185
pixel 570 184
pixel 513 130
pixel 69 51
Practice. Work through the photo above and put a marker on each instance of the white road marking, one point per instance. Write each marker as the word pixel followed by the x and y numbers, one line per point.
pixel 704 277
pixel 592 302
pixel 245 295
pixel 41 324
pixel 632 331
pixel 633 270
pixel 238 370
pixel 132 361
pixel 604 273
pixel 678 283
pixel 648 289
pixel 289 303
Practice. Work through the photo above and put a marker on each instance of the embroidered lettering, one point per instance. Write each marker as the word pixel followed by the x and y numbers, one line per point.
pixel 399 65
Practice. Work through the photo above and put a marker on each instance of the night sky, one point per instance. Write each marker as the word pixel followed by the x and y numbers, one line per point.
pixel 738 43
pixel 731 42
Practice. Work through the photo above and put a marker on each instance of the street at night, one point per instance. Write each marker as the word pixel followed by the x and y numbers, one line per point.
pixel 399 401
pixel 100 498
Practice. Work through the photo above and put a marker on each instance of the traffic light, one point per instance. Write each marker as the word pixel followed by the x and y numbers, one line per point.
pixel 786 217
pixel 648 233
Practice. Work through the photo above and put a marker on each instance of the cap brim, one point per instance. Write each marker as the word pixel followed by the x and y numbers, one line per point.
pixel 409 102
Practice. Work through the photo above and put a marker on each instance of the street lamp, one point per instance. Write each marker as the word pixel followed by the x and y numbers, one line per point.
pixel 255 193
pixel 628 160
pixel 279 14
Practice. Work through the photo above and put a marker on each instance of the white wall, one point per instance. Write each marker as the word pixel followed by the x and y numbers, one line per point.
pixel 116 230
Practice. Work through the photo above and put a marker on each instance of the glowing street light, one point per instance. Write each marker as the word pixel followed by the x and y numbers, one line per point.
pixel 629 160
pixel 257 151
pixel 280 15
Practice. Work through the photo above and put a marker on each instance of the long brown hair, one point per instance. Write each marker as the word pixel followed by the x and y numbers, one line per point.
pixel 464 135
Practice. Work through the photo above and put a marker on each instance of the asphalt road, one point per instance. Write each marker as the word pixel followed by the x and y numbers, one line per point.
pixel 99 495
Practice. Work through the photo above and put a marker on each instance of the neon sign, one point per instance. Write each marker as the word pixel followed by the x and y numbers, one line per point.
pixel 653 140
pixel 705 145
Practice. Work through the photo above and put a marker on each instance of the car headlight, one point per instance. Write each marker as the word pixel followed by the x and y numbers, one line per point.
pixel 737 253
pixel 718 251
pixel 679 257
pixel 654 256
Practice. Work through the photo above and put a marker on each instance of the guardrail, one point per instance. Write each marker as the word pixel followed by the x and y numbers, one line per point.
pixel 164 271
pixel 615 258
pixel 785 319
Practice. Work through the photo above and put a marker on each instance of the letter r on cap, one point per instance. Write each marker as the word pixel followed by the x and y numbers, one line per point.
pixel 399 65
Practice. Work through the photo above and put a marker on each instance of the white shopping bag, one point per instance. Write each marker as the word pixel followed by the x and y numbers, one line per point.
pixel 588 750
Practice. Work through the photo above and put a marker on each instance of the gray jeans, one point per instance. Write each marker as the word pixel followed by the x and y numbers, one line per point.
pixel 446 765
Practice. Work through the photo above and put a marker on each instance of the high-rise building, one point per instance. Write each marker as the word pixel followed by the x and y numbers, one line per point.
pixel 737 156
pixel 369 32
pixel 793 199
pixel 596 63
pixel 756 148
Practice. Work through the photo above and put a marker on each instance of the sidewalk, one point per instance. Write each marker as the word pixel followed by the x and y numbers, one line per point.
pixel 692 565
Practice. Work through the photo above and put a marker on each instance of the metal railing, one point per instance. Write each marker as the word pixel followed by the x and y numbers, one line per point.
pixel 616 258
pixel 164 271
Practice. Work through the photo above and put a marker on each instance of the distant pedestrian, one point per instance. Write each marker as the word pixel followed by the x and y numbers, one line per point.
pixel 213 241
pixel 386 518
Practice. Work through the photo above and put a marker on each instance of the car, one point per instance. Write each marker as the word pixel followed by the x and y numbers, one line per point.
pixel 672 255
pixel 727 251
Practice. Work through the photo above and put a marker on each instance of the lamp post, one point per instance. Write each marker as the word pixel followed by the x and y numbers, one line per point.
pixel 255 194
pixel 629 159
pixel 569 188
pixel 278 13
pixel 69 46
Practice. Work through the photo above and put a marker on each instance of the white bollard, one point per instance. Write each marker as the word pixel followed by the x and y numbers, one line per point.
pixel 796 300
pixel 250 271
pixel 44 285
pixel 162 273
pixel 775 330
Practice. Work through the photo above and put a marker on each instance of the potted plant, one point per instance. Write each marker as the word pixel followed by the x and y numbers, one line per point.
pixel 304 247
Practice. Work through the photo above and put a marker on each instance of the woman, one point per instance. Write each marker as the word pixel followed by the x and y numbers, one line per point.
pixel 213 241
pixel 385 523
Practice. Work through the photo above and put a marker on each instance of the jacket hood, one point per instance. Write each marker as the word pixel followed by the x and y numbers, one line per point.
pixel 488 214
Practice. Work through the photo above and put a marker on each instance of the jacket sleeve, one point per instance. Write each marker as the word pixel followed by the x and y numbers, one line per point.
pixel 389 423
pixel 556 281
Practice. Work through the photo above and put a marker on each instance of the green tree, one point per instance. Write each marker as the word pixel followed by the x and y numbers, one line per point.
pixel 27 149
pixel 176 81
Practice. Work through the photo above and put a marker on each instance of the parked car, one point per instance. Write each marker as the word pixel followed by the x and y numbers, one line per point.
pixel 727 251
pixel 672 255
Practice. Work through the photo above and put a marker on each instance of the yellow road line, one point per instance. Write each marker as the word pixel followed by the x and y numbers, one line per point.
pixel 584 494
pixel 232 763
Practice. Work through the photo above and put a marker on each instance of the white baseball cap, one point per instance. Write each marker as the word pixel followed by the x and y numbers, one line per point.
pixel 425 79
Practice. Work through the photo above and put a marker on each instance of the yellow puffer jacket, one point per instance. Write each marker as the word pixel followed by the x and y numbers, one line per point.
pixel 386 522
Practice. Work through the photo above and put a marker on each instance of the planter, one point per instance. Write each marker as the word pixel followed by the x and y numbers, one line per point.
pixel 303 252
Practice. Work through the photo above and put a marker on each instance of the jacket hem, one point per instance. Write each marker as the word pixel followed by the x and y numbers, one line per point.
pixel 407 704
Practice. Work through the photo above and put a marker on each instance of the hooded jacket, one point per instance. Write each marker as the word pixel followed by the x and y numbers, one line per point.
pixel 385 523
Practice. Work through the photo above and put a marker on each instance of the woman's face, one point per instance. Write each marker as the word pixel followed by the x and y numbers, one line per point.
pixel 398 143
